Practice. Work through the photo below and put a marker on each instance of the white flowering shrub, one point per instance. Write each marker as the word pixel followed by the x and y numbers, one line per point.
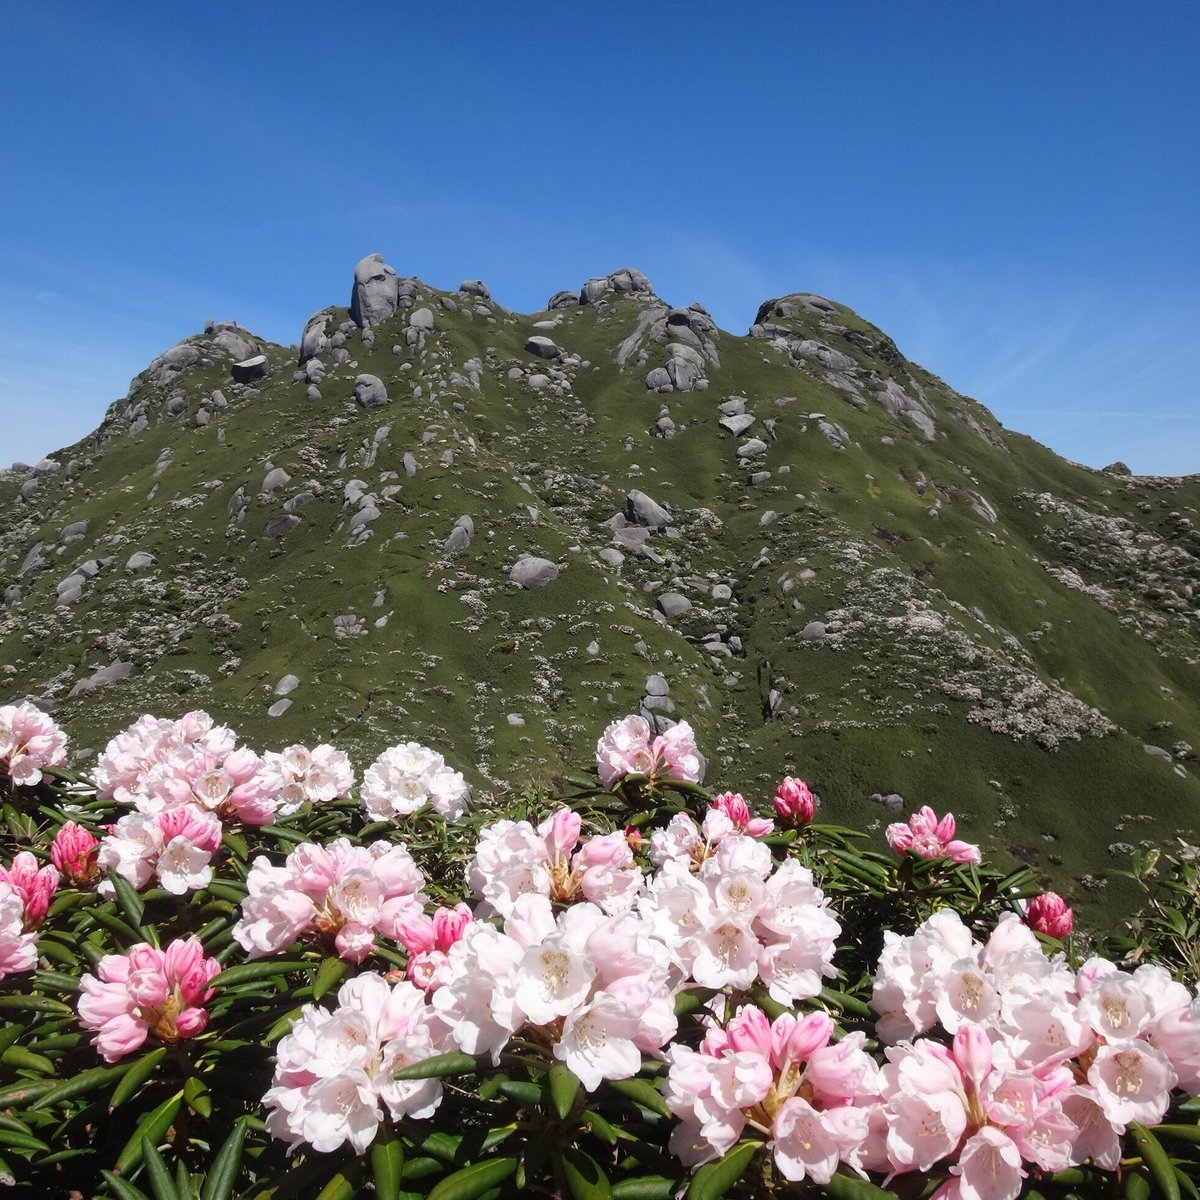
pixel 225 974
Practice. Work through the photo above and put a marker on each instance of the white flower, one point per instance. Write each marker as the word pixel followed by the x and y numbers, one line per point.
pixel 183 867
pixel 551 980
pixel 598 1041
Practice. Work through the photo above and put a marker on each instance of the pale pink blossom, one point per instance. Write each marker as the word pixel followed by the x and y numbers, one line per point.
pixel 406 778
pixel 927 836
pixel 147 992
pixel 18 946
pixel 989 1166
pixel 428 941
pixel 30 742
pixel 733 805
pixel 297 776
pixel 629 747
pixel 1132 1082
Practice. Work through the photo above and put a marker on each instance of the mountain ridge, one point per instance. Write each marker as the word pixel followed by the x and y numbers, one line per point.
pixel 497 531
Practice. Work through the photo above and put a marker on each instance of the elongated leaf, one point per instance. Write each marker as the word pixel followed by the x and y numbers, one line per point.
pixel 157 1175
pixel 1156 1160
pixel 585 1179
pixel 80 1085
pixel 438 1067
pixel 1184 1133
pixel 253 972
pixel 196 1096
pixel 56 980
pixel 20 1058
pixel 122 1188
pixel 648 1187
pixel 387 1167
pixel 344 1185
pixel 8 1035
pixel 138 1073
pixel 19 1002
pixel 17 1140
pixel 1136 1185
pixel 474 1180
pixel 714 1179
pixel 643 1093
pixel 564 1087
pixel 224 1171
pixel 23 1093
pixel 130 902
pixel 600 1126
pixel 850 1187
pixel 332 971
pixel 152 1126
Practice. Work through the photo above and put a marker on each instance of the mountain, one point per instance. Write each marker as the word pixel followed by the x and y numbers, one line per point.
pixel 437 519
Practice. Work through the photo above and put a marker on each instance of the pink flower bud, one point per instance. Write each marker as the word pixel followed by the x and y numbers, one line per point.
pixel 73 852
pixel 35 885
pixel 795 805
pixel 561 832
pixel 1049 914
pixel 734 806
pixel 797 1040
pixel 750 1030
pixel 973 1053
pixel 633 838
pixel 927 836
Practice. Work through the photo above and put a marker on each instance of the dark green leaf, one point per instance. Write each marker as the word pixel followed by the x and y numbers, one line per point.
pixel 196 1096
pixel 17 1140
pixel 224 1171
pixel 648 1187
pixel 127 897
pixel 521 1091
pixel 850 1187
pixel 153 1126
pixel 20 1058
pixel 135 1076
pixel 564 1087
pixel 438 1067
pixel 330 974
pixel 714 1179
pixel 585 1179
pixel 1185 1133
pixel 252 972
pixel 79 1085
pixel 157 1174
pixel 643 1093
pixel 25 1003
pixel 122 1188
pixel 600 1127
pixel 474 1180
pixel 387 1166
pixel 1155 1158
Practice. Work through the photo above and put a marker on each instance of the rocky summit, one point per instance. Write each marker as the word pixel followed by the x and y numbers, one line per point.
pixel 435 518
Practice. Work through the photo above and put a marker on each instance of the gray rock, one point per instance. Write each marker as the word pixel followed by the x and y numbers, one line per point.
pixel 593 648
pixel 673 604
pixel 202 418
pixel 237 503
pixel 75 532
pixel 33 560
pixel 612 557
pixel 47 466
pixel 376 294
pixel 166 368
pixel 104 677
pixel 738 424
pixel 12 595
pixel 348 625
pixel 369 392
pixel 314 370
pixel 563 300
pixel 313 341
pixel 279 708
pixel 593 289
pixel 458 540
pixel 475 287
pixel 139 561
pixel 758 477
pixel 722 591
pixel 364 516
pixel 529 572
pixel 752 449
pixel 1158 752
pixel 834 434
pixel 312 394
pixel 543 347
pixel 893 801
pixel 274 478
pixel 299 500
pixel 28 488
pixel 287 685
pixel 278 527
pixel 176 406
pixel 421 319
pixel 251 369
pixel 410 464
pixel 657 704
pixel 659 380
pixel 640 509
pixel 628 279
pixel 656 685
pixel 814 631
pixel 232 343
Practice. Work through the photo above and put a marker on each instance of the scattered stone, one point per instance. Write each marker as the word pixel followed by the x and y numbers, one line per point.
pixel 1158 752
pixel 138 561
pixel 752 449
pixel 722 591
pixel 348 625
pixel 814 631
pixel 410 464
pixel 375 294
pixel 287 685
pixel 278 527
pixel 543 347
pixel 75 532
pixel 369 392
pixel 642 510
pixel 893 801
pixel 593 648
pixel 104 677
pixel 738 424
pixel 279 708
pixel 656 685
pixel 611 556
pixel 529 572
pixel 421 319
pixel 250 369
pixel 275 478
pixel 12 595
pixel 673 604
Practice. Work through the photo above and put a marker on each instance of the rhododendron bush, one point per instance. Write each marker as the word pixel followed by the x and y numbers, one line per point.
pixel 225 974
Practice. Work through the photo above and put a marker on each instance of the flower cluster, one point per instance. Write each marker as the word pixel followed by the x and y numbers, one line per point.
pixel 596 989
pixel 174 846
pixel 335 1070
pixel 30 742
pixel 25 894
pixel 1049 914
pixel 629 747
pixel 342 892
pixel 795 805
pixel 1048 1066
pixel 513 858
pixel 403 779
pixel 297 776
pixel 928 836
pixel 786 1079
pixel 147 992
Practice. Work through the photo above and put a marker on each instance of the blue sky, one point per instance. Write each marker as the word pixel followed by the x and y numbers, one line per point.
pixel 1009 190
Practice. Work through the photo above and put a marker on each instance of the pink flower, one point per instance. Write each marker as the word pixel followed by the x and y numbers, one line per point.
pixel 1049 914
pixel 147 991
pixel 733 805
pixel 795 805
pixel 627 748
pixel 18 947
pixel 73 852
pixel 928 837
pixel 29 741
pixel 35 885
